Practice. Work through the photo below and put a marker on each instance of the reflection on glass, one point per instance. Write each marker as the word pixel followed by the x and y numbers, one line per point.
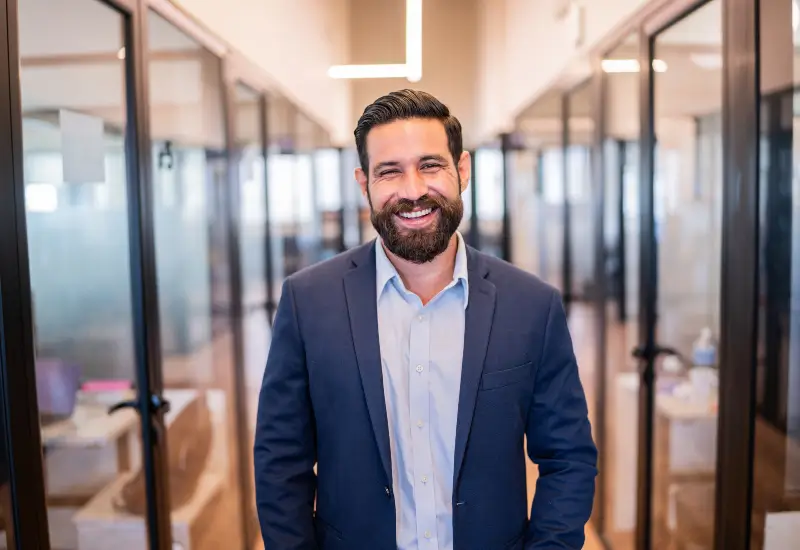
pixel 688 185
pixel 524 225
pixel 249 152
pixel 621 232
pixel 192 259
pixel 579 194
pixel 489 207
pixel 73 128
pixel 550 216
pixel 330 207
pixel 776 476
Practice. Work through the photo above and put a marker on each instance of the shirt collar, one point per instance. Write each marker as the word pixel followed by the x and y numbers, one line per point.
pixel 385 270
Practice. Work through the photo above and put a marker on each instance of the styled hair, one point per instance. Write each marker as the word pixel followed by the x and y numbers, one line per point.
pixel 404 105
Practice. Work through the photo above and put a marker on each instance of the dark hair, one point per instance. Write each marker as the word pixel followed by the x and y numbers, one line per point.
pixel 403 105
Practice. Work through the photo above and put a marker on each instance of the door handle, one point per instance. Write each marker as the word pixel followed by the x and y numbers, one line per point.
pixel 651 353
pixel 157 405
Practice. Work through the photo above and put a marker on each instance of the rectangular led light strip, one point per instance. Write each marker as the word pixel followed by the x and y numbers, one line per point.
pixel 411 69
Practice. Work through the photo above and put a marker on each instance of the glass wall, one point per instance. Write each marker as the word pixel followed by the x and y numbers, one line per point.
pixel 688 207
pixel 621 242
pixel 489 166
pixel 776 478
pixel 190 188
pixel 522 167
pixel 579 193
pixel 251 175
pixel 330 207
pixel 74 122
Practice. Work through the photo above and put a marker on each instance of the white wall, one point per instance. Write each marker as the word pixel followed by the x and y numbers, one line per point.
pixel 449 50
pixel 535 50
pixel 295 42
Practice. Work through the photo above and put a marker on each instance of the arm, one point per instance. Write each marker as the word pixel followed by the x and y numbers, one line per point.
pixel 560 443
pixel 285 447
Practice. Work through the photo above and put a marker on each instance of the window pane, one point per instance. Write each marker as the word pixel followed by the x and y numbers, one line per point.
pixel 73 132
pixel 688 189
pixel 192 259
pixel 621 229
pixel 776 476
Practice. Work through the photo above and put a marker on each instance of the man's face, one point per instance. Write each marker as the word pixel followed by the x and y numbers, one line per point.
pixel 414 187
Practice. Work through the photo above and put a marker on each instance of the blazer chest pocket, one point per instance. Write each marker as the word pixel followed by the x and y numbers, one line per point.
pixel 506 377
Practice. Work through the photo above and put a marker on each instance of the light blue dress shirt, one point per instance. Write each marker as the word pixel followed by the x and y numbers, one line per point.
pixel 422 347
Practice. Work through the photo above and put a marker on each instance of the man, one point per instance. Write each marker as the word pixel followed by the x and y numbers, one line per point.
pixel 410 370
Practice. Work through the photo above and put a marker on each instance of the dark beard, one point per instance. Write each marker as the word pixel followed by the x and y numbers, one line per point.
pixel 418 246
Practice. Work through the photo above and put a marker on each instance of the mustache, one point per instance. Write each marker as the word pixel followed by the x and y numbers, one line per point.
pixel 401 206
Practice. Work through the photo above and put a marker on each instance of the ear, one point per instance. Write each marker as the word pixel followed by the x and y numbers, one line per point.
pixel 465 170
pixel 362 180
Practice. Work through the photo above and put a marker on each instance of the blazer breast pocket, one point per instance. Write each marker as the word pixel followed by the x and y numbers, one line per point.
pixel 506 377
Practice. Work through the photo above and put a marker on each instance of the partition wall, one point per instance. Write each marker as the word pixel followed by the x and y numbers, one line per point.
pixel 156 190
pixel 693 203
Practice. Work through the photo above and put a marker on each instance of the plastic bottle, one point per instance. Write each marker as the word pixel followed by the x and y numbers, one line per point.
pixel 704 351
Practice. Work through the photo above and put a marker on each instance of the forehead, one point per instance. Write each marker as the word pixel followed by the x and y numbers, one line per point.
pixel 406 139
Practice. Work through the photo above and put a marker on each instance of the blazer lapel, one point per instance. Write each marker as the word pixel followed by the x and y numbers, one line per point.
pixel 478 324
pixel 360 290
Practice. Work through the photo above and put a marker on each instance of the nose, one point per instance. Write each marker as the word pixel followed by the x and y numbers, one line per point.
pixel 414 186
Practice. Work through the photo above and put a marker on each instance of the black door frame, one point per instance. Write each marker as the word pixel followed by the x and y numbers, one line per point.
pixel 739 270
pixel 27 518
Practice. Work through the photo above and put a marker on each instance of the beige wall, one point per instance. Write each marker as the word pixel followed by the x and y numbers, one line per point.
pixel 449 49
pixel 295 42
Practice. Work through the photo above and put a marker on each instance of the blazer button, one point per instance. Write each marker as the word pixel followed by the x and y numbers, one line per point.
pixel 388 491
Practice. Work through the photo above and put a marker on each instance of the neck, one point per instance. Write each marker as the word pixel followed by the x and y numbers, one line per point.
pixel 428 279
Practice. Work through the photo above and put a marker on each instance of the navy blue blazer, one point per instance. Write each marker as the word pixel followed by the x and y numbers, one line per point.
pixel 322 402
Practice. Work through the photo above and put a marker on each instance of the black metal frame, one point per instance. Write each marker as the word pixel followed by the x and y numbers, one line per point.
pixel 28 526
pixel 474 221
pixel 27 518
pixel 740 274
pixel 506 149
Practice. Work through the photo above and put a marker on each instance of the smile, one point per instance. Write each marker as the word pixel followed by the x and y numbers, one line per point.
pixel 417 214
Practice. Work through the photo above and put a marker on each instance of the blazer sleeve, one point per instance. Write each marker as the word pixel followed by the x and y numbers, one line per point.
pixel 560 443
pixel 285 446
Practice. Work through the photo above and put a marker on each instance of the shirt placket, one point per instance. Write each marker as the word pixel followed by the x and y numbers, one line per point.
pixel 425 501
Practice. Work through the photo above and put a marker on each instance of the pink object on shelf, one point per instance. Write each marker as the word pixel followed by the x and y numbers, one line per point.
pixel 106 385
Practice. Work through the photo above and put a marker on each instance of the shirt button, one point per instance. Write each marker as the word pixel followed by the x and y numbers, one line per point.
pixel 421 318
pixel 427 534
pixel 424 479
pixel 420 423
pixel 420 368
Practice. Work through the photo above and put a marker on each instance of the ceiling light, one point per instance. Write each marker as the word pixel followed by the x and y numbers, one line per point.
pixel 620 65
pixel 368 71
pixel 411 69
pixel 659 65
pixel 414 39
pixel 630 65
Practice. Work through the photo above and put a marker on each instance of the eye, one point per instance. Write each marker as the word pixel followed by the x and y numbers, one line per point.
pixel 430 166
pixel 385 173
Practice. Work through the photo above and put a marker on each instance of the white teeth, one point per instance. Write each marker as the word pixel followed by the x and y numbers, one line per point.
pixel 419 214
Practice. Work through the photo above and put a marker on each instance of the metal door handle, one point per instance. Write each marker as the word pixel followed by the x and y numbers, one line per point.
pixel 650 353
pixel 157 404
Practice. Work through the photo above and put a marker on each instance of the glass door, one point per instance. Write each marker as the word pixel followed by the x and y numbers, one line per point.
pixel 618 449
pixel 254 253
pixel 682 266
pixel 92 294
pixel 192 226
